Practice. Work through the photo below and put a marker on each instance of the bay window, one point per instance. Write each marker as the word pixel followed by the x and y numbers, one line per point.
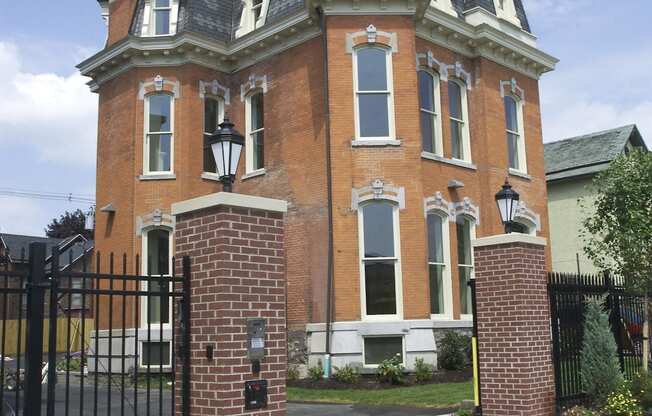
pixel 514 127
pixel 213 115
pixel 159 134
pixel 438 265
pixel 255 132
pixel 429 105
pixel 380 261
pixel 465 234
pixel 459 126
pixel 374 107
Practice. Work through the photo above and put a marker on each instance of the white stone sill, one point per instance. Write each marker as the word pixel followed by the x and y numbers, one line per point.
pixel 157 177
pixel 253 174
pixel 519 174
pixel 454 162
pixel 375 142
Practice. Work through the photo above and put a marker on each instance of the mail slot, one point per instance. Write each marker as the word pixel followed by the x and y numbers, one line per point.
pixel 255 394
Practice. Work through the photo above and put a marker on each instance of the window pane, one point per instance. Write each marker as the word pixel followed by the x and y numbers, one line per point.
pixel 426 91
pixel 464 241
pixel 159 152
pixel 377 350
pixel 257 112
pixel 211 114
pixel 162 18
pixel 435 239
pixel 512 148
pixel 372 69
pixel 378 228
pixel 510 114
pixel 258 150
pixel 159 112
pixel 158 263
pixel 465 290
pixel 436 289
pixel 457 142
pixel 455 100
pixel 373 114
pixel 209 159
pixel 428 131
pixel 380 288
pixel 162 3
pixel 155 353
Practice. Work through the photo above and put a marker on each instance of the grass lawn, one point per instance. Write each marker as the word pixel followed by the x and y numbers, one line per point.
pixel 444 395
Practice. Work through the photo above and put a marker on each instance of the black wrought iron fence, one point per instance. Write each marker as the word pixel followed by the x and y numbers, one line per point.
pixel 568 295
pixel 96 339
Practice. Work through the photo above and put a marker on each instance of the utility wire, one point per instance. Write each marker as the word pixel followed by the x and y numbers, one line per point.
pixel 52 196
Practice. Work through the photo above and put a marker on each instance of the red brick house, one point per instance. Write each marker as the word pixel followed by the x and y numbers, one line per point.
pixel 388 126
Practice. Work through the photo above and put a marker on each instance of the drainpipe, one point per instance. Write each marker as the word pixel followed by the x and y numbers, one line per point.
pixel 329 187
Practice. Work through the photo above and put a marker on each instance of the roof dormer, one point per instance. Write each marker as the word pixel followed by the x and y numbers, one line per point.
pixel 506 10
pixel 160 17
pixel 254 13
pixel 445 6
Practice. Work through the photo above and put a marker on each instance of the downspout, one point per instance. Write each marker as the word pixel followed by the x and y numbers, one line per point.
pixel 329 190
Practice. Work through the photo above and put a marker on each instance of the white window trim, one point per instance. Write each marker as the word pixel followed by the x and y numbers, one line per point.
pixel 149 23
pixel 437 128
pixel 247 21
pixel 472 231
pixel 447 275
pixel 389 92
pixel 520 143
pixel 141 355
pixel 507 11
pixel 155 328
pixel 466 135
pixel 220 118
pixel 374 366
pixel 398 283
pixel 249 155
pixel 146 171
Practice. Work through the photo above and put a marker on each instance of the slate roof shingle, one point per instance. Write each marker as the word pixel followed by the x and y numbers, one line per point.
pixel 72 247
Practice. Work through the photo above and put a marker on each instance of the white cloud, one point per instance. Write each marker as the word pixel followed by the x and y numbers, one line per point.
pixel 54 115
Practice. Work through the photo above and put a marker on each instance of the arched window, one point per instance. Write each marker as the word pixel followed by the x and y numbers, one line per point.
pixel 380 260
pixel 429 107
pixel 439 265
pixel 159 139
pixel 213 115
pixel 459 120
pixel 374 107
pixel 515 139
pixel 465 234
pixel 255 134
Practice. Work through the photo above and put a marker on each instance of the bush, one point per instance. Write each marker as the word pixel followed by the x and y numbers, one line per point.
pixel 293 373
pixel 622 403
pixel 463 412
pixel 642 389
pixel 578 411
pixel 391 370
pixel 454 352
pixel 317 372
pixel 600 369
pixel 422 371
pixel 347 374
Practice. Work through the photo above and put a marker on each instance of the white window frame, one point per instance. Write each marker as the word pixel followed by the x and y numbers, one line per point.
pixel 220 119
pixel 446 275
pixel 141 355
pixel 146 170
pixel 149 18
pixel 373 366
pixel 472 231
pixel 249 142
pixel 248 21
pixel 438 145
pixel 143 285
pixel 520 142
pixel 389 92
pixel 506 10
pixel 398 283
pixel 466 135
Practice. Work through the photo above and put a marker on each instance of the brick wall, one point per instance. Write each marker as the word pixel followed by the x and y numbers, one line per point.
pixel 513 317
pixel 237 261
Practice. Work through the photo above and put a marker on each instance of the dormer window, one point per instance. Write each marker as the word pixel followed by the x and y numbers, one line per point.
pixel 160 17
pixel 253 16
pixel 506 10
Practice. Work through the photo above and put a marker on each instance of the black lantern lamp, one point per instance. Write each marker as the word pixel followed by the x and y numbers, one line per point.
pixel 507 200
pixel 226 144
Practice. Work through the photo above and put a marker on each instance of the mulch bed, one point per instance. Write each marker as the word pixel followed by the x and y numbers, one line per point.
pixel 370 382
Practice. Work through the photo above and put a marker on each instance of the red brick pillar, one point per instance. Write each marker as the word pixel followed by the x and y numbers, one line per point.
pixel 513 315
pixel 235 244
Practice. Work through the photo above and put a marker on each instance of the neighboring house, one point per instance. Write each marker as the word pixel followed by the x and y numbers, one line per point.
pixel 425 107
pixel 571 165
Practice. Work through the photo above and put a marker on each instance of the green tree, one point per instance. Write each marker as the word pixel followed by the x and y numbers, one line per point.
pixel 68 224
pixel 599 364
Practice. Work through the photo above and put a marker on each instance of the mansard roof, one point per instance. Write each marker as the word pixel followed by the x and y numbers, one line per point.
pixel 219 19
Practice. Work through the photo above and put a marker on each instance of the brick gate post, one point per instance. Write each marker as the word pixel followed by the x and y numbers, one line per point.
pixel 513 315
pixel 235 243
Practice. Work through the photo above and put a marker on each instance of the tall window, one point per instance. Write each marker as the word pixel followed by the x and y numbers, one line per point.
pixel 515 143
pixel 213 115
pixel 159 139
pixel 438 265
pixel 429 104
pixel 160 17
pixel 380 260
pixel 252 17
pixel 458 112
pixel 158 265
pixel 254 147
pixel 373 93
pixel 465 233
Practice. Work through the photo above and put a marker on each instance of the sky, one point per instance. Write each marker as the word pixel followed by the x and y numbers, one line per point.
pixel 48 116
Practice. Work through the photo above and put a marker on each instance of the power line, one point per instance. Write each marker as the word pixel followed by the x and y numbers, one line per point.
pixel 52 196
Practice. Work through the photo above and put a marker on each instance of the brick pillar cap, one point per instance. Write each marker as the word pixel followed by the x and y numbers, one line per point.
pixel 513 238
pixel 229 199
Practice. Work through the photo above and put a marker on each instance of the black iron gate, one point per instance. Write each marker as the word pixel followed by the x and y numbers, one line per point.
pixel 568 293
pixel 101 342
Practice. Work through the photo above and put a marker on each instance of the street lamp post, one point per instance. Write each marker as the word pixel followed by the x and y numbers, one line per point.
pixel 226 144
pixel 507 200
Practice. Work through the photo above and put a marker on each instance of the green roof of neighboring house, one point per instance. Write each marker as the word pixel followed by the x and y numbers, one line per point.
pixel 588 154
